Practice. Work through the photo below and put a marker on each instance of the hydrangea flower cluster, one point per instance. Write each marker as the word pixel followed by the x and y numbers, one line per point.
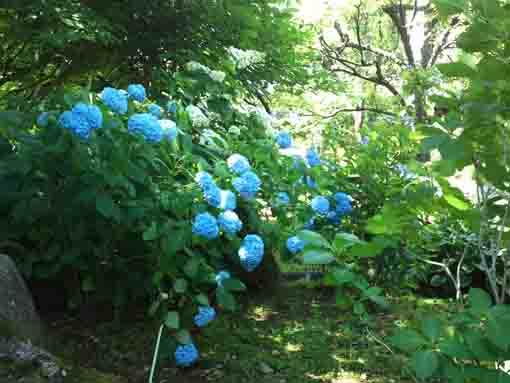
pixel 227 200
pixel 310 224
pixel 147 125
pixel 284 140
pixel 203 179
pixel 230 222
pixel 197 117
pixel 247 185
pixel 115 99
pixel 212 194
pixel 312 158
pixel 320 205
pixel 343 203
pixel 282 199
pixel 245 58
pixel 205 225
pixel 155 110
pixel 169 129
pixel 295 244
pixel 222 276
pixel 82 119
pixel 205 315
pixel 365 140
pixel 186 355
pixel 215 75
pixel 251 252
pixel 137 92
pixel 238 164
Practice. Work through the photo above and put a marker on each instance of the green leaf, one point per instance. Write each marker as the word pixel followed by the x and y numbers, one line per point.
pixel 191 267
pixel 88 285
pixel 318 257
pixel 225 299
pixel 172 320
pixel 454 349
pixel 408 340
pixel 180 285
pixel 151 233
pixel 183 337
pixel 233 284
pixel 380 301
pixel 105 206
pixel 456 202
pixel 339 277
pixel 431 327
pixel 202 299
pixel 425 364
pixel 312 238
pixel 479 299
pixel 345 240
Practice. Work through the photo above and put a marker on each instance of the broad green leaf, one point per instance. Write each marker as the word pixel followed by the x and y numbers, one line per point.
pixel 339 277
pixel 225 299
pixel 318 257
pixel 344 240
pixel 183 337
pixel 408 340
pixel 314 239
pixel 172 320
pixel 456 202
pixel 431 327
pixel 151 233
pixel 191 267
pixel 233 284
pixel 202 299
pixel 479 299
pixel 180 285
pixel 454 349
pixel 105 205
pixel 425 364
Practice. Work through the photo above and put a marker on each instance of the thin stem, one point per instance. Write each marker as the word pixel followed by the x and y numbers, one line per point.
pixel 156 352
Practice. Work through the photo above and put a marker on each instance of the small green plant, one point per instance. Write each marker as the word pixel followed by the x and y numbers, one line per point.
pixel 353 291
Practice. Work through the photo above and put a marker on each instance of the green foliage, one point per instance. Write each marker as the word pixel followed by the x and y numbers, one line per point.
pixel 468 345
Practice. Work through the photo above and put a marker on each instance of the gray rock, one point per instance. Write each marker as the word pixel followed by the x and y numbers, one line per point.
pixel 18 316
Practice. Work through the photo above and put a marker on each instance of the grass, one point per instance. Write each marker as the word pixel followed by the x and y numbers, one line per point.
pixel 296 335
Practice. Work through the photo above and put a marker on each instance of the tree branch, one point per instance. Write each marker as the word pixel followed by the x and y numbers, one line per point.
pixel 350 110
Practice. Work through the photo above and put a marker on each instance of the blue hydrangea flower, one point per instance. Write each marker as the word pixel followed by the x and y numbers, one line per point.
pixel 228 200
pixel 283 140
pixel 343 203
pixel 169 129
pixel 186 355
pixel 320 205
pixel 147 125
pixel 238 164
pixel 230 222
pixel 137 92
pixel 212 194
pixel 312 158
pixel 90 113
pixel 334 217
pixel 221 276
pixel 365 140
pixel 310 224
pixel 42 119
pixel 82 119
pixel 205 225
pixel 251 252
pixel 282 199
pixel 247 185
pixel 155 110
pixel 205 315
pixel 203 179
pixel 171 107
pixel 295 244
pixel 344 207
pixel 115 99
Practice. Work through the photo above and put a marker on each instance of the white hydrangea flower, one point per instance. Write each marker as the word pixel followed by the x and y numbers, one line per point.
pixel 217 75
pixel 244 59
pixel 197 117
pixel 234 130
pixel 265 119
pixel 194 66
